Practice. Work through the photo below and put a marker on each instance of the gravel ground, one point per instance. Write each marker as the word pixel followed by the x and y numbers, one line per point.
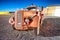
pixel 50 30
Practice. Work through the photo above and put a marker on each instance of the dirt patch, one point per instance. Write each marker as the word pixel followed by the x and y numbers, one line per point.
pixel 49 28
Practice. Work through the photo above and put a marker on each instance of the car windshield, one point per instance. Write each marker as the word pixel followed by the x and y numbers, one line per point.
pixel 32 8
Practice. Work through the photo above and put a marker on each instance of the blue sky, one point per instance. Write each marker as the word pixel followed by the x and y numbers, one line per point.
pixel 13 5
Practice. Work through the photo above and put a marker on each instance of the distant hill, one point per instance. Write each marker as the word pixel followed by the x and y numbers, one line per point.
pixel 11 12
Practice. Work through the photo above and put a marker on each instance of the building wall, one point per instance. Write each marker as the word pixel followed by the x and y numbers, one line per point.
pixel 52 10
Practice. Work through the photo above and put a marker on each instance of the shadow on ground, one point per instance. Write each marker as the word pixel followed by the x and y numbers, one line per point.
pixel 50 27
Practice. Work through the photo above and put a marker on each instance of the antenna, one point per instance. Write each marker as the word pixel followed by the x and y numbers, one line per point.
pixel 42 8
pixel 32 4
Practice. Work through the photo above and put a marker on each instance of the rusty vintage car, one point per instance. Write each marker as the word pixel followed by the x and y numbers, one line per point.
pixel 28 18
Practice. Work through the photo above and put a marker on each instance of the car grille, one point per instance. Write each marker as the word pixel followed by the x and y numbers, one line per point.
pixel 19 19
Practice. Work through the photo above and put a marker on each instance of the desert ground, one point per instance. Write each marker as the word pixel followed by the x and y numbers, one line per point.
pixel 50 30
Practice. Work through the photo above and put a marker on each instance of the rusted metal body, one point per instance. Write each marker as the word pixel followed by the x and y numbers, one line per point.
pixel 27 19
